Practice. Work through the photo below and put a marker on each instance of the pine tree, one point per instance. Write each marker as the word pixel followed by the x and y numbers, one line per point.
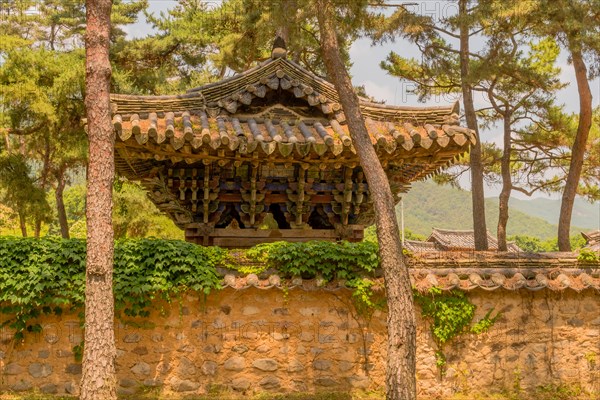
pixel 42 86
pixel 575 25
pixel 98 379
pixel 401 350
pixel 444 68
pixel 543 153
pixel 519 85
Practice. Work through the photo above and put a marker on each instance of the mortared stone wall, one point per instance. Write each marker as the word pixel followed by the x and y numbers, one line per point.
pixel 245 341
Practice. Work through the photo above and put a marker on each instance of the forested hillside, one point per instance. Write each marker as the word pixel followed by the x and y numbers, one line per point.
pixel 585 214
pixel 428 205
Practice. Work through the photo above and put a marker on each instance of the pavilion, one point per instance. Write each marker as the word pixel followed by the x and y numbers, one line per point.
pixel 273 139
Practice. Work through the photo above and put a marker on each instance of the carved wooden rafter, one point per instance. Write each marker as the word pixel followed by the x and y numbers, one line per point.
pixel 299 199
pixel 252 209
pixel 209 194
pixel 164 199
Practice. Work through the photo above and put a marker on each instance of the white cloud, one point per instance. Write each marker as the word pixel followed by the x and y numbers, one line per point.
pixel 379 92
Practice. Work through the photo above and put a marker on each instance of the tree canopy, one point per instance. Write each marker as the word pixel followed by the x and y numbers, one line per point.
pixel 511 63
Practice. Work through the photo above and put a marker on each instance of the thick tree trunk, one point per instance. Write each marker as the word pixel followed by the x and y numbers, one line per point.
pixel 22 224
pixel 401 349
pixel 477 193
pixel 286 14
pixel 98 379
pixel 37 227
pixel 60 204
pixel 577 152
pixel 506 184
pixel 43 182
pixel 7 143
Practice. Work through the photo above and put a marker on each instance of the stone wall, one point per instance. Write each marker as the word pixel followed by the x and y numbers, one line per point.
pixel 251 340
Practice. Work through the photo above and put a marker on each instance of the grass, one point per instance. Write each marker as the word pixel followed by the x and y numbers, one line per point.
pixel 546 392
pixel 289 396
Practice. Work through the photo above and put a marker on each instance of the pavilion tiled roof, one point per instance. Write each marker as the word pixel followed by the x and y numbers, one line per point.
pixel 234 119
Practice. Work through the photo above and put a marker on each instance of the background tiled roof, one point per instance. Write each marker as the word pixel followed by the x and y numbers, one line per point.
pixel 592 240
pixel 448 239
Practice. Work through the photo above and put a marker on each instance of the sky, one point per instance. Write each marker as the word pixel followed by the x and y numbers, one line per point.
pixel 366 57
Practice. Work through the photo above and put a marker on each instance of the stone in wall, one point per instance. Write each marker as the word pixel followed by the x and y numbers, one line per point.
pixel 141 369
pixel 240 384
pixel 235 363
pixel 265 364
pixel 38 370
pixel 209 368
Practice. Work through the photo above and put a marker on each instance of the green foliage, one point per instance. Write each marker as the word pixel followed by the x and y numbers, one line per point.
pixel 554 139
pixel 558 392
pixel 42 106
pixel 450 312
pixel 352 262
pixel 535 245
pixel 78 352
pixel 19 191
pixel 517 69
pixel 528 244
pixel 241 261
pixel 371 235
pixel 577 242
pixel 48 276
pixel 134 215
pixel 531 244
pixel 363 297
pixel 42 73
pixel 588 255
pixel 39 277
pixel 485 323
pixel 341 260
pixel 147 268
pixel 195 43
pixel 451 315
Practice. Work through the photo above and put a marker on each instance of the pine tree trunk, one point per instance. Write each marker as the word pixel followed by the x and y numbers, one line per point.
pixel 401 349
pixel 60 204
pixel 286 14
pixel 37 227
pixel 477 193
pixel 7 145
pixel 43 182
pixel 22 224
pixel 287 10
pixel 506 184
pixel 98 378
pixel 578 150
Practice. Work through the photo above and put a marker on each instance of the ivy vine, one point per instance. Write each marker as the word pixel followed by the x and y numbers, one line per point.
pixel 47 276
pixel 149 268
pixel 451 314
pixel 588 255
pixel 39 277
pixel 342 260
pixel 364 298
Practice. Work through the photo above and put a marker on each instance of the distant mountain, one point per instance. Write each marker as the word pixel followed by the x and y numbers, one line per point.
pixel 428 205
pixel 585 214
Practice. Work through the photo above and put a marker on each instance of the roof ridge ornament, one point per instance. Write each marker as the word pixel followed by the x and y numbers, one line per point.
pixel 279 48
